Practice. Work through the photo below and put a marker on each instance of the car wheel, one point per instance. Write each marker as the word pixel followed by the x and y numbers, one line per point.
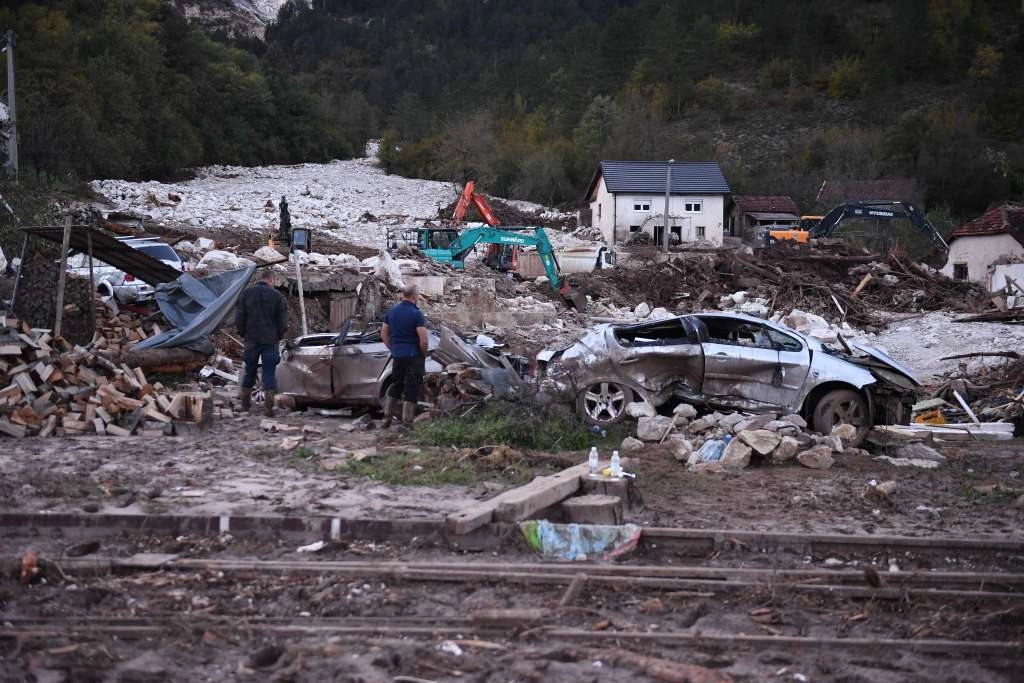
pixel 842 406
pixel 604 403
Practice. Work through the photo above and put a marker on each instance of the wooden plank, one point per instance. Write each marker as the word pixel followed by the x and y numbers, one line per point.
pixel 518 503
pixel 10 350
pixel 967 408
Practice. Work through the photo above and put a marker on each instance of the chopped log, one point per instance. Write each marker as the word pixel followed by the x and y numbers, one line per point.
pixel 166 360
pixel 17 431
pixel 594 509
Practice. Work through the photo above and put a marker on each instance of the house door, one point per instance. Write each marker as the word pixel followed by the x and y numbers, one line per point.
pixel 659 233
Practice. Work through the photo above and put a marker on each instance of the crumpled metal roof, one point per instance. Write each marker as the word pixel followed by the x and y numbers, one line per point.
pixel 109 250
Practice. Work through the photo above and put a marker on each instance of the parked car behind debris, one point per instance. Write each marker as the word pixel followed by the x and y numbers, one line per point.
pixel 124 287
pixel 727 361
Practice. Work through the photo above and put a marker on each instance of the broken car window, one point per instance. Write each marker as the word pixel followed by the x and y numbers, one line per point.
pixel 662 333
pixel 745 333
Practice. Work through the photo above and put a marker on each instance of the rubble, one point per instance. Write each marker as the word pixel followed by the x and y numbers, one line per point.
pixel 817 457
pixel 54 388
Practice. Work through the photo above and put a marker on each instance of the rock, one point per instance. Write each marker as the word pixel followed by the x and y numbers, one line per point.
pixel 703 424
pixel 886 488
pixel 652 428
pixel 757 422
pixel 204 244
pixel 631 445
pixel 268 254
pixel 818 458
pixel 738 298
pixel 795 419
pixel 833 442
pixel 640 409
pixel 680 446
pixel 919 451
pixel 786 450
pixel 847 433
pixel 729 421
pixel 695 459
pixel 685 410
pixel 782 427
pixel 803 322
pixel 761 440
pixel 851 452
pixel 736 455
pixel 642 310
pixel 659 314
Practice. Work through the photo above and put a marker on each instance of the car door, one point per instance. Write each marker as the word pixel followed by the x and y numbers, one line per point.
pixel 356 368
pixel 742 367
pixel 657 354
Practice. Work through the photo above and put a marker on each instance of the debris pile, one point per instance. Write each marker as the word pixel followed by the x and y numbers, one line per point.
pixel 853 287
pixel 118 330
pixel 731 441
pixel 52 387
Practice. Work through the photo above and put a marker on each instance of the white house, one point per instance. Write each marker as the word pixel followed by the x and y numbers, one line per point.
pixel 976 247
pixel 628 197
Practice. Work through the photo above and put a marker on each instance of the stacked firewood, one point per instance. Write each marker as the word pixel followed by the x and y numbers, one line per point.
pixel 117 331
pixel 49 387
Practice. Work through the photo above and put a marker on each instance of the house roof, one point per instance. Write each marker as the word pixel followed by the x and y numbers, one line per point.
pixel 999 220
pixel 648 177
pixel 750 203
pixel 773 216
pixel 839 191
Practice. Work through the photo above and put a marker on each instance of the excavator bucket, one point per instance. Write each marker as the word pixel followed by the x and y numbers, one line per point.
pixel 574 297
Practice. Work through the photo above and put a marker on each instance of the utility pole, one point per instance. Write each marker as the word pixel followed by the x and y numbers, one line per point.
pixel 668 193
pixel 12 125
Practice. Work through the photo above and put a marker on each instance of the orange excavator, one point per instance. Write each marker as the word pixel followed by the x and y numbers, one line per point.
pixel 469 196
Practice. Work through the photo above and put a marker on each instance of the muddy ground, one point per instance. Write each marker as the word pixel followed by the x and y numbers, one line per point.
pixel 238 468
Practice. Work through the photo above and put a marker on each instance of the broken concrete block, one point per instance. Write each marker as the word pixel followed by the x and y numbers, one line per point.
pixel 652 428
pixel 640 409
pixel 736 455
pixel 642 310
pixel 818 458
pixel 761 440
pixel 680 446
pixel 685 410
pixel 786 450
pixel 919 451
pixel 631 445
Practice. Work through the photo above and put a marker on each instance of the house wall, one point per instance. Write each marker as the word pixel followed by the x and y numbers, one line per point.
pixel 616 215
pixel 978 253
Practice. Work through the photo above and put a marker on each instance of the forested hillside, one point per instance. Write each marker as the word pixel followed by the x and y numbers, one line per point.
pixel 526 95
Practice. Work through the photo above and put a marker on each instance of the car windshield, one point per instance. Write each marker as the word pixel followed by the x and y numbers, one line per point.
pixel 159 251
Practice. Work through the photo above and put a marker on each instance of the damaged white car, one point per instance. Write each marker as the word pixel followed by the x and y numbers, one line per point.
pixel 727 361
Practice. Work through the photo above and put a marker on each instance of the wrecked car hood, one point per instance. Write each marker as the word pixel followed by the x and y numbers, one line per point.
pixel 881 357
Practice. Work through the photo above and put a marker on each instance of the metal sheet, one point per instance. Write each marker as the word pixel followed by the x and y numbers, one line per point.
pixel 109 250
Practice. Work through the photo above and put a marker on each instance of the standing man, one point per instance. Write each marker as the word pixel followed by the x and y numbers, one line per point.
pixel 261 316
pixel 405 334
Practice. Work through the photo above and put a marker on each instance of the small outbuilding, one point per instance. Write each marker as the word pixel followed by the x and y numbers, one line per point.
pixel 750 213
pixel 979 249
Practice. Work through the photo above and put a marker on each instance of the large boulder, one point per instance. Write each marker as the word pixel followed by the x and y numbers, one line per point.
pixel 268 254
pixel 817 458
pixel 642 310
pixel 652 428
pixel 761 440
pixel 217 261
pixel 680 446
pixel 631 445
pixel 736 455
pixel 640 409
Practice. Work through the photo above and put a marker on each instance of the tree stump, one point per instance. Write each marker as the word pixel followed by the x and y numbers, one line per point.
pixel 606 486
pixel 594 509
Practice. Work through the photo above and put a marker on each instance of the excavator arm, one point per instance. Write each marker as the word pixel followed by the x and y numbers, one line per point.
pixel 514 237
pixel 883 210
pixel 469 196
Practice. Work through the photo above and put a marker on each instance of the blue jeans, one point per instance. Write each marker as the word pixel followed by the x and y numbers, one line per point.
pixel 252 355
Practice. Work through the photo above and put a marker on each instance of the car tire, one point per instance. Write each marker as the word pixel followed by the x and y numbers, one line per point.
pixel 842 406
pixel 604 403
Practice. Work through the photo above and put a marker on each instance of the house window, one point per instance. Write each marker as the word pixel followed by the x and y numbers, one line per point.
pixel 693 207
pixel 700 232
pixel 634 228
pixel 959 271
pixel 641 204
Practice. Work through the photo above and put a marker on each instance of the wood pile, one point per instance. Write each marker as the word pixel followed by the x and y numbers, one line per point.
pixel 36 301
pixel 50 387
pixel 117 331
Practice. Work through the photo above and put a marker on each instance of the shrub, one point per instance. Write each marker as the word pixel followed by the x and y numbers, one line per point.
pixel 847 78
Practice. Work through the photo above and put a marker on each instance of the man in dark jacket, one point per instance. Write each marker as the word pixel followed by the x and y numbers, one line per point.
pixel 261 316
pixel 405 333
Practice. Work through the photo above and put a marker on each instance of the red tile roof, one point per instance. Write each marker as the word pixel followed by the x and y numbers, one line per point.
pixel 896 189
pixel 749 203
pixel 1008 218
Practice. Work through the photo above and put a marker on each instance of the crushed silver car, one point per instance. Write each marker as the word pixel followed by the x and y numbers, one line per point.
pixel 727 361
pixel 352 368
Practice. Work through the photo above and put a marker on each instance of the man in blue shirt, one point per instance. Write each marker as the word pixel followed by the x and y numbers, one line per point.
pixel 405 334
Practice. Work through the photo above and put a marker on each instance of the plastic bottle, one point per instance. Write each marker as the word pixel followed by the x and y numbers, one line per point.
pixel 592 460
pixel 616 464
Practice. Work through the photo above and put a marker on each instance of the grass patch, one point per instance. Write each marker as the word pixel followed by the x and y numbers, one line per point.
pixel 991 494
pixel 518 426
pixel 435 469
